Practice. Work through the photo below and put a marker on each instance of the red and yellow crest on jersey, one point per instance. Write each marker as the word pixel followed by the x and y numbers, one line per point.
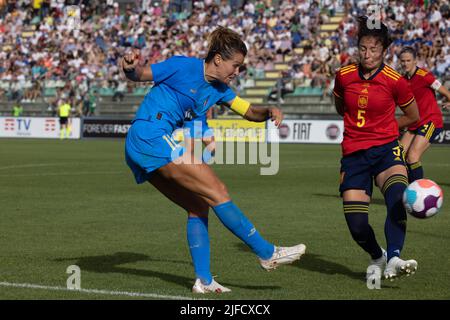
pixel 363 101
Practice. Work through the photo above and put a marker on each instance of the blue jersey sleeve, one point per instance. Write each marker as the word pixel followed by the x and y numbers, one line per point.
pixel 227 96
pixel 167 68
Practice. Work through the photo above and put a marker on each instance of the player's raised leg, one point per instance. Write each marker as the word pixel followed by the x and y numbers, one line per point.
pixel 202 181
pixel 197 233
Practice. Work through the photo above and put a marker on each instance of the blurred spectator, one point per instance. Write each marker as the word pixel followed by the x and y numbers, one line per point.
pixel 120 90
pixel 17 109
pixel 283 87
pixel 93 98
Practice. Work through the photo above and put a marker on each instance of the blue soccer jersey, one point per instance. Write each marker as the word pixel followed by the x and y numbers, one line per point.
pixel 181 91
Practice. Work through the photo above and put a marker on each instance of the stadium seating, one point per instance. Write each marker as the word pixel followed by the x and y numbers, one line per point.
pixel 304 97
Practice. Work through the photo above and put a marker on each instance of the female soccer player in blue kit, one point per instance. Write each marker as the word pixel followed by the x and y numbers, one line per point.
pixel 186 88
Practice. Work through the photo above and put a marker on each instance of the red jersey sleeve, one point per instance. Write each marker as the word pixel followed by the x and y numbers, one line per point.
pixel 338 90
pixel 403 95
pixel 429 79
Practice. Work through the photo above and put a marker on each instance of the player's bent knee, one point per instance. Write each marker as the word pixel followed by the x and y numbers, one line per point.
pixel 202 208
pixel 198 207
pixel 223 190
pixel 219 194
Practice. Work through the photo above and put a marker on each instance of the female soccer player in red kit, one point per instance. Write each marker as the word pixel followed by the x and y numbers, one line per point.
pixel 419 136
pixel 366 96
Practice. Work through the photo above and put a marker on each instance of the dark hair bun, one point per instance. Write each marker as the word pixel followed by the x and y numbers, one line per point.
pixel 374 28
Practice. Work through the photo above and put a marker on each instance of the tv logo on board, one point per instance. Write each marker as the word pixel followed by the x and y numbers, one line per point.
pixel 10 124
pixel 20 125
pixel 50 125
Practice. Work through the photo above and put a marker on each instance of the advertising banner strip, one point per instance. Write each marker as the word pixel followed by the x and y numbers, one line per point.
pixel 34 127
pixel 306 131
pixel 238 130
pixel 233 130
pixel 444 136
pixel 106 128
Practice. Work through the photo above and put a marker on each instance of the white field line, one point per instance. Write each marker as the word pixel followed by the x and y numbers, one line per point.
pixel 93 291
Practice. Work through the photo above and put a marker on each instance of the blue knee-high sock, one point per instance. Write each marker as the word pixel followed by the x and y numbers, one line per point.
pixel 395 225
pixel 415 171
pixel 233 218
pixel 357 217
pixel 198 240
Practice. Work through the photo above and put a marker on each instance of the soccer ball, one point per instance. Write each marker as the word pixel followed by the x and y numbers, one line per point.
pixel 423 198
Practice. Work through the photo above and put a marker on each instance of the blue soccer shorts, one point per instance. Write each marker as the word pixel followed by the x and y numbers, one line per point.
pixel 428 130
pixel 359 169
pixel 149 146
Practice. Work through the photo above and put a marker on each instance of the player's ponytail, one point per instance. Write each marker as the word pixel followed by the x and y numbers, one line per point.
pixel 225 42
pixel 380 32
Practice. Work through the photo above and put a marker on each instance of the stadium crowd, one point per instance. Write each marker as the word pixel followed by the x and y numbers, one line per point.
pixel 40 49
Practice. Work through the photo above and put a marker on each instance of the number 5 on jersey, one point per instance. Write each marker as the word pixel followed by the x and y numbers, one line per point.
pixel 361 120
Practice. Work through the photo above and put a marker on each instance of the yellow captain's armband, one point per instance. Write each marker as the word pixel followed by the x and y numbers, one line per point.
pixel 240 106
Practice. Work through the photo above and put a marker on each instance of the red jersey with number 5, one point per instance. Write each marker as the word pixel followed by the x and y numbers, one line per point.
pixel 421 85
pixel 369 116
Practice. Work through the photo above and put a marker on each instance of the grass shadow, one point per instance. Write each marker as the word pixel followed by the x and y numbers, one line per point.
pixel 111 264
pixel 315 263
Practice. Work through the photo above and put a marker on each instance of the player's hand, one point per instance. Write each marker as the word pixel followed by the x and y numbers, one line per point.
pixel 130 60
pixel 446 106
pixel 276 115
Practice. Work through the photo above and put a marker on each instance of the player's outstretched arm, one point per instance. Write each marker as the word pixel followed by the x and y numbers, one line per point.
pixel 256 114
pixel 260 114
pixel 410 116
pixel 133 70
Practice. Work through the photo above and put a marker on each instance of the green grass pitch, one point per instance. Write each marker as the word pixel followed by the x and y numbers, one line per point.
pixel 76 203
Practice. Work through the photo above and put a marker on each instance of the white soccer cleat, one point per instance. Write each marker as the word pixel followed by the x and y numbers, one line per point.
pixel 376 266
pixel 213 287
pixel 283 255
pixel 397 267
